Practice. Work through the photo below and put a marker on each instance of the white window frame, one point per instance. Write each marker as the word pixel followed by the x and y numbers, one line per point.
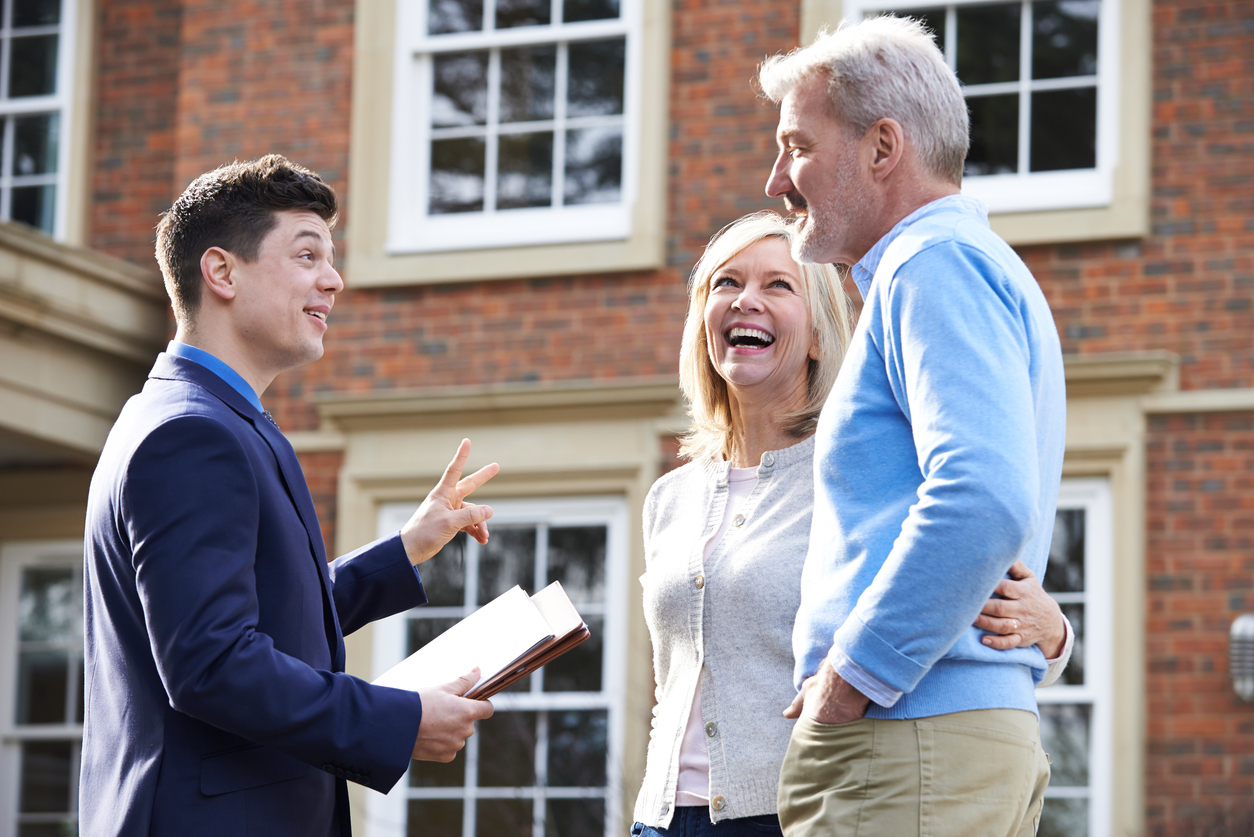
pixel 1026 191
pixel 14 557
pixel 410 228
pixel 1093 496
pixel 386 816
pixel 59 101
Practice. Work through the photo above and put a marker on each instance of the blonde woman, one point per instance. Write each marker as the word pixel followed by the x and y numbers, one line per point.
pixel 726 535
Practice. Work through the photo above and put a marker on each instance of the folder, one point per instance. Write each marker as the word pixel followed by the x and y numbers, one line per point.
pixel 508 638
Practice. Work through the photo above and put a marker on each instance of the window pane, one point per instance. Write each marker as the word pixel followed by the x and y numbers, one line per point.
pixel 994 135
pixel 1073 674
pixel 1064 38
pixel 574 817
pixel 596 78
pixel 527 83
pixel 42 679
pixel 577 10
pixel 35 144
pixel 423 630
pixel 579 670
pixel 1065 736
pixel 933 19
pixel 507 750
pixel 46 767
pixel 456 175
pixel 49 605
pixel 461 89
pixel 34 205
pixel 1065 572
pixel 1064 129
pixel 988 43
pixel 526 174
pixel 594 166
pixel 508 558
pixel 445 16
pixel 47 829
pixel 577 560
pixel 511 13
pixel 36 13
pixel 434 774
pixel 503 818
pixel 444 575
pixel 1064 818
pixel 577 748
pixel 33 67
pixel 435 818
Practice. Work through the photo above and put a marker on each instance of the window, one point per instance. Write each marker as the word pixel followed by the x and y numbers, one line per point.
pixel 547 763
pixel 41 706
pixel 515 123
pixel 35 61
pixel 1075 711
pixel 1040 78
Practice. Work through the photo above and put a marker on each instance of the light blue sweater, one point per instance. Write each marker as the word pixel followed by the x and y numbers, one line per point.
pixel 937 463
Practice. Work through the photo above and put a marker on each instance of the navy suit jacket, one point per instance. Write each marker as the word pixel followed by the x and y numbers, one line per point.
pixel 215 698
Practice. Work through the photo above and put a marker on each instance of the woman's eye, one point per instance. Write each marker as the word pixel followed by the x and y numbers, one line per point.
pixel 723 281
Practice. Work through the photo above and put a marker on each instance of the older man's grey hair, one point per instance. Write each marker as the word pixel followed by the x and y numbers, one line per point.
pixel 884 67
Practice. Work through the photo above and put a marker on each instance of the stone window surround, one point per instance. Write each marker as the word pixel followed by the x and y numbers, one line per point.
pixel 1127 215
pixel 369 263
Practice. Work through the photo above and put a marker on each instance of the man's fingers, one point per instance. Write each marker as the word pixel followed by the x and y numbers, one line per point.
pixel 462 684
pixel 798 703
pixel 453 472
pixel 466 485
pixel 794 709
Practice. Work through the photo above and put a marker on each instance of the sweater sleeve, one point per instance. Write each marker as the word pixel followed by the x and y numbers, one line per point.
pixel 956 352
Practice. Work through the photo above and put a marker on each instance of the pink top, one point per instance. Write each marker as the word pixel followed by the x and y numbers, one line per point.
pixel 693 785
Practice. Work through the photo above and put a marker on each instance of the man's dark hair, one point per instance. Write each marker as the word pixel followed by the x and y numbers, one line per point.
pixel 232 207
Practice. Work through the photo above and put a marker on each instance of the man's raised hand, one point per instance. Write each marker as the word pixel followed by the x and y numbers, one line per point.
pixel 448 719
pixel 444 513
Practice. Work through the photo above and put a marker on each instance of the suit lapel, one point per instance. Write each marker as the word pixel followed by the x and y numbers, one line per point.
pixel 290 472
pixel 298 490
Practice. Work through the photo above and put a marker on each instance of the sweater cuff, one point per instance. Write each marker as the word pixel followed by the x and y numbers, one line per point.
pixel 864 681
pixel 857 641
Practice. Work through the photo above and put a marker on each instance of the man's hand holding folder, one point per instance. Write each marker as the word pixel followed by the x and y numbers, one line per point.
pixel 448 719
pixel 505 640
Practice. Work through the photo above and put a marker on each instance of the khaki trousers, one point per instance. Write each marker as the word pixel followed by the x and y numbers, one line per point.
pixel 968 774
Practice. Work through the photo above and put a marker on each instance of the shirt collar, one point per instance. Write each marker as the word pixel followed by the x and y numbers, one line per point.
pixel 218 368
pixel 864 270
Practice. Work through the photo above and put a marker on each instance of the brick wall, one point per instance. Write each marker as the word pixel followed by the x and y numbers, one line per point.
pixel 1189 286
pixel 136 86
pixel 1201 576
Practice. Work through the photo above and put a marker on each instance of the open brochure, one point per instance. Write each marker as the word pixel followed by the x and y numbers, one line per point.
pixel 508 638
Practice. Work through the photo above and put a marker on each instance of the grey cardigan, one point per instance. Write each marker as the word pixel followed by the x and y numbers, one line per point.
pixel 734 622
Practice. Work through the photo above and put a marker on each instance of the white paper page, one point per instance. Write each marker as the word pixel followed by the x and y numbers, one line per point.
pixel 555 605
pixel 492 637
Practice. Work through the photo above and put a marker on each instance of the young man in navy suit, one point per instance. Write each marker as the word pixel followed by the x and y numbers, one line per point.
pixel 216 700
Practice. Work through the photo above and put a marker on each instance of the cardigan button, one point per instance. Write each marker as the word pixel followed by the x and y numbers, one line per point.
pixel 718 803
pixel 768 459
pixel 699 581
pixel 738 520
pixel 711 729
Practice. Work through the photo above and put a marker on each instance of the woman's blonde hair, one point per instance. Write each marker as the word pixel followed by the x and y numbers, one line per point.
pixel 830 315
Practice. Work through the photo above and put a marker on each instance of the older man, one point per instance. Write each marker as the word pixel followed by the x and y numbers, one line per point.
pixel 937 462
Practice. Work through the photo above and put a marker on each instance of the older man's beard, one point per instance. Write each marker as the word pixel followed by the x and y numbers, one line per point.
pixel 819 235
pixel 830 221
